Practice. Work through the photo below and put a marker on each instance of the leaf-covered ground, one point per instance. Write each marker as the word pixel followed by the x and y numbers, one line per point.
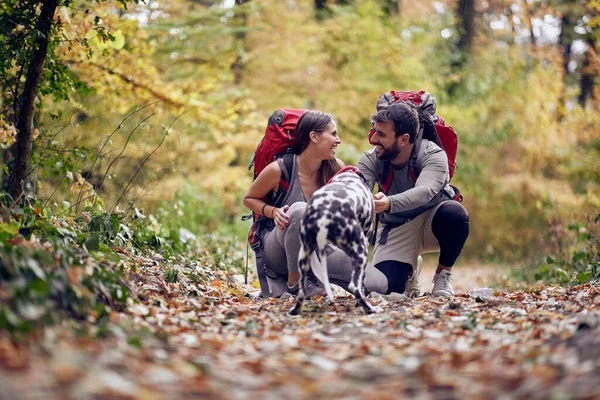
pixel 204 337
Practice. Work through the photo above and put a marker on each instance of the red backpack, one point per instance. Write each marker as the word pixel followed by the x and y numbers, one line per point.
pixel 278 142
pixel 442 134
pixel 279 139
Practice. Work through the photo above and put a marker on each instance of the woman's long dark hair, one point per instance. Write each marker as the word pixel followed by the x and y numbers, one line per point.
pixel 316 121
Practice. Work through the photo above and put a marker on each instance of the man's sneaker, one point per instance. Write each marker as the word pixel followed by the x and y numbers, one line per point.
pixel 413 289
pixel 442 284
pixel 312 289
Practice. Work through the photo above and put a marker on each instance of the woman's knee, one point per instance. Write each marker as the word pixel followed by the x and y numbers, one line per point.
pixel 290 236
pixel 375 280
pixel 295 214
pixel 297 209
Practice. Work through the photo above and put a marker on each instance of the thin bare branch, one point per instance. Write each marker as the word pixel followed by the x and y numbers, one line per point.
pixel 49 143
pixel 142 192
pixel 98 156
pixel 144 162
pixel 124 147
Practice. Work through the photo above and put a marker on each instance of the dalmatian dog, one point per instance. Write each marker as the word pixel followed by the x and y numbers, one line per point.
pixel 340 212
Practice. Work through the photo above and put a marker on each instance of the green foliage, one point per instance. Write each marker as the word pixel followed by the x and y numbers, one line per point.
pixel 193 213
pixel 18 32
pixel 54 266
pixel 227 254
pixel 523 170
pixel 172 275
pixel 43 284
pixel 577 263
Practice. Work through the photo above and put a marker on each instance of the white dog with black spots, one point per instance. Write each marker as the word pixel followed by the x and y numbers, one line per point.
pixel 340 212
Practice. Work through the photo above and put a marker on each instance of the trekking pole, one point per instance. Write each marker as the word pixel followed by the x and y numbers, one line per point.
pixel 375 230
pixel 376 223
pixel 246 273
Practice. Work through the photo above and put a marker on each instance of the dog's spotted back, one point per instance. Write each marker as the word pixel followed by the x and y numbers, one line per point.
pixel 337 210
pixel 340 212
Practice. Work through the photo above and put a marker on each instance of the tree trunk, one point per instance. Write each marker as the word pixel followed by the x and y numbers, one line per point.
pixel 320 5
pixel 238 65
pixel 463 46
pixel 589 70
pixel 565 41
pixel 391 7
pixel 527 16
pixel 466 14
pixel 321 10
pixel 24 125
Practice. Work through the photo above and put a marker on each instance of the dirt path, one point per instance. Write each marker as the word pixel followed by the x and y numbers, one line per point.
pixel 223 344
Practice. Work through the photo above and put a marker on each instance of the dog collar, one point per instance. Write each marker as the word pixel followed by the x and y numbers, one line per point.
pixel 346 169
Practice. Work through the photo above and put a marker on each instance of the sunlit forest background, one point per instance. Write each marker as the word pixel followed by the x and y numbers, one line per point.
pixel 127 128
pixel 165 112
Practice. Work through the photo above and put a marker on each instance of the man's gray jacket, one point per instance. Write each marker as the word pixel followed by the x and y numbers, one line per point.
pixel 409 198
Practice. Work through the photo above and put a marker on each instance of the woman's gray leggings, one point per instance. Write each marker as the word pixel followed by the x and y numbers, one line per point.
pixel 281 248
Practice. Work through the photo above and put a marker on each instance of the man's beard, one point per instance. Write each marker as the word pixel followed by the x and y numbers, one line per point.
pixel 391 153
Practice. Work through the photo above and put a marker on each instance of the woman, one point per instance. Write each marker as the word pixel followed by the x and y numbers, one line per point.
pixel 314 164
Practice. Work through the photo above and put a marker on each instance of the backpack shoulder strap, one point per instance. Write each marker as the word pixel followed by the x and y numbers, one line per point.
pixel 287 168
pixel 413 167
pixel 384 180
pixel 286 163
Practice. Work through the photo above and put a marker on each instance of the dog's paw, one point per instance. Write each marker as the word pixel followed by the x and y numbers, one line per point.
pixel 375 310
pixel 296 310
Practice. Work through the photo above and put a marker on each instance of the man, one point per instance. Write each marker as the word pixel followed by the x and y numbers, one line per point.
pixel 417 213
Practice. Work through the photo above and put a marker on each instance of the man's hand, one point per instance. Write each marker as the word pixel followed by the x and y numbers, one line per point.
pixel 382 202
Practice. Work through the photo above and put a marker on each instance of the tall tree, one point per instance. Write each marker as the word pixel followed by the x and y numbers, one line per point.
pixel 321 9
pixel 527 15
pixel 240 20
pixel 465 26
pixel 565 42
pixel 571 15
pixel 30 33
pixel 590 69
pixel 391 7
pixel 26 102
pixel 320 5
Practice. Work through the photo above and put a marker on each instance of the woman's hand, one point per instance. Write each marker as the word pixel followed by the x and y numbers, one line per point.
pixel 280 217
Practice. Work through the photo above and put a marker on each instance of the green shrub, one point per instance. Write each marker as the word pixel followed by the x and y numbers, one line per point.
pixel 198 213
pixel 42 284
pixel 577 259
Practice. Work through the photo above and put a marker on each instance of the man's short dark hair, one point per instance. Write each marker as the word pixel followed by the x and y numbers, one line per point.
pixel 404 116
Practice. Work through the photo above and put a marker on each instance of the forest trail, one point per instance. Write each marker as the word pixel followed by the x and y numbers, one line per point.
pixel 208 339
